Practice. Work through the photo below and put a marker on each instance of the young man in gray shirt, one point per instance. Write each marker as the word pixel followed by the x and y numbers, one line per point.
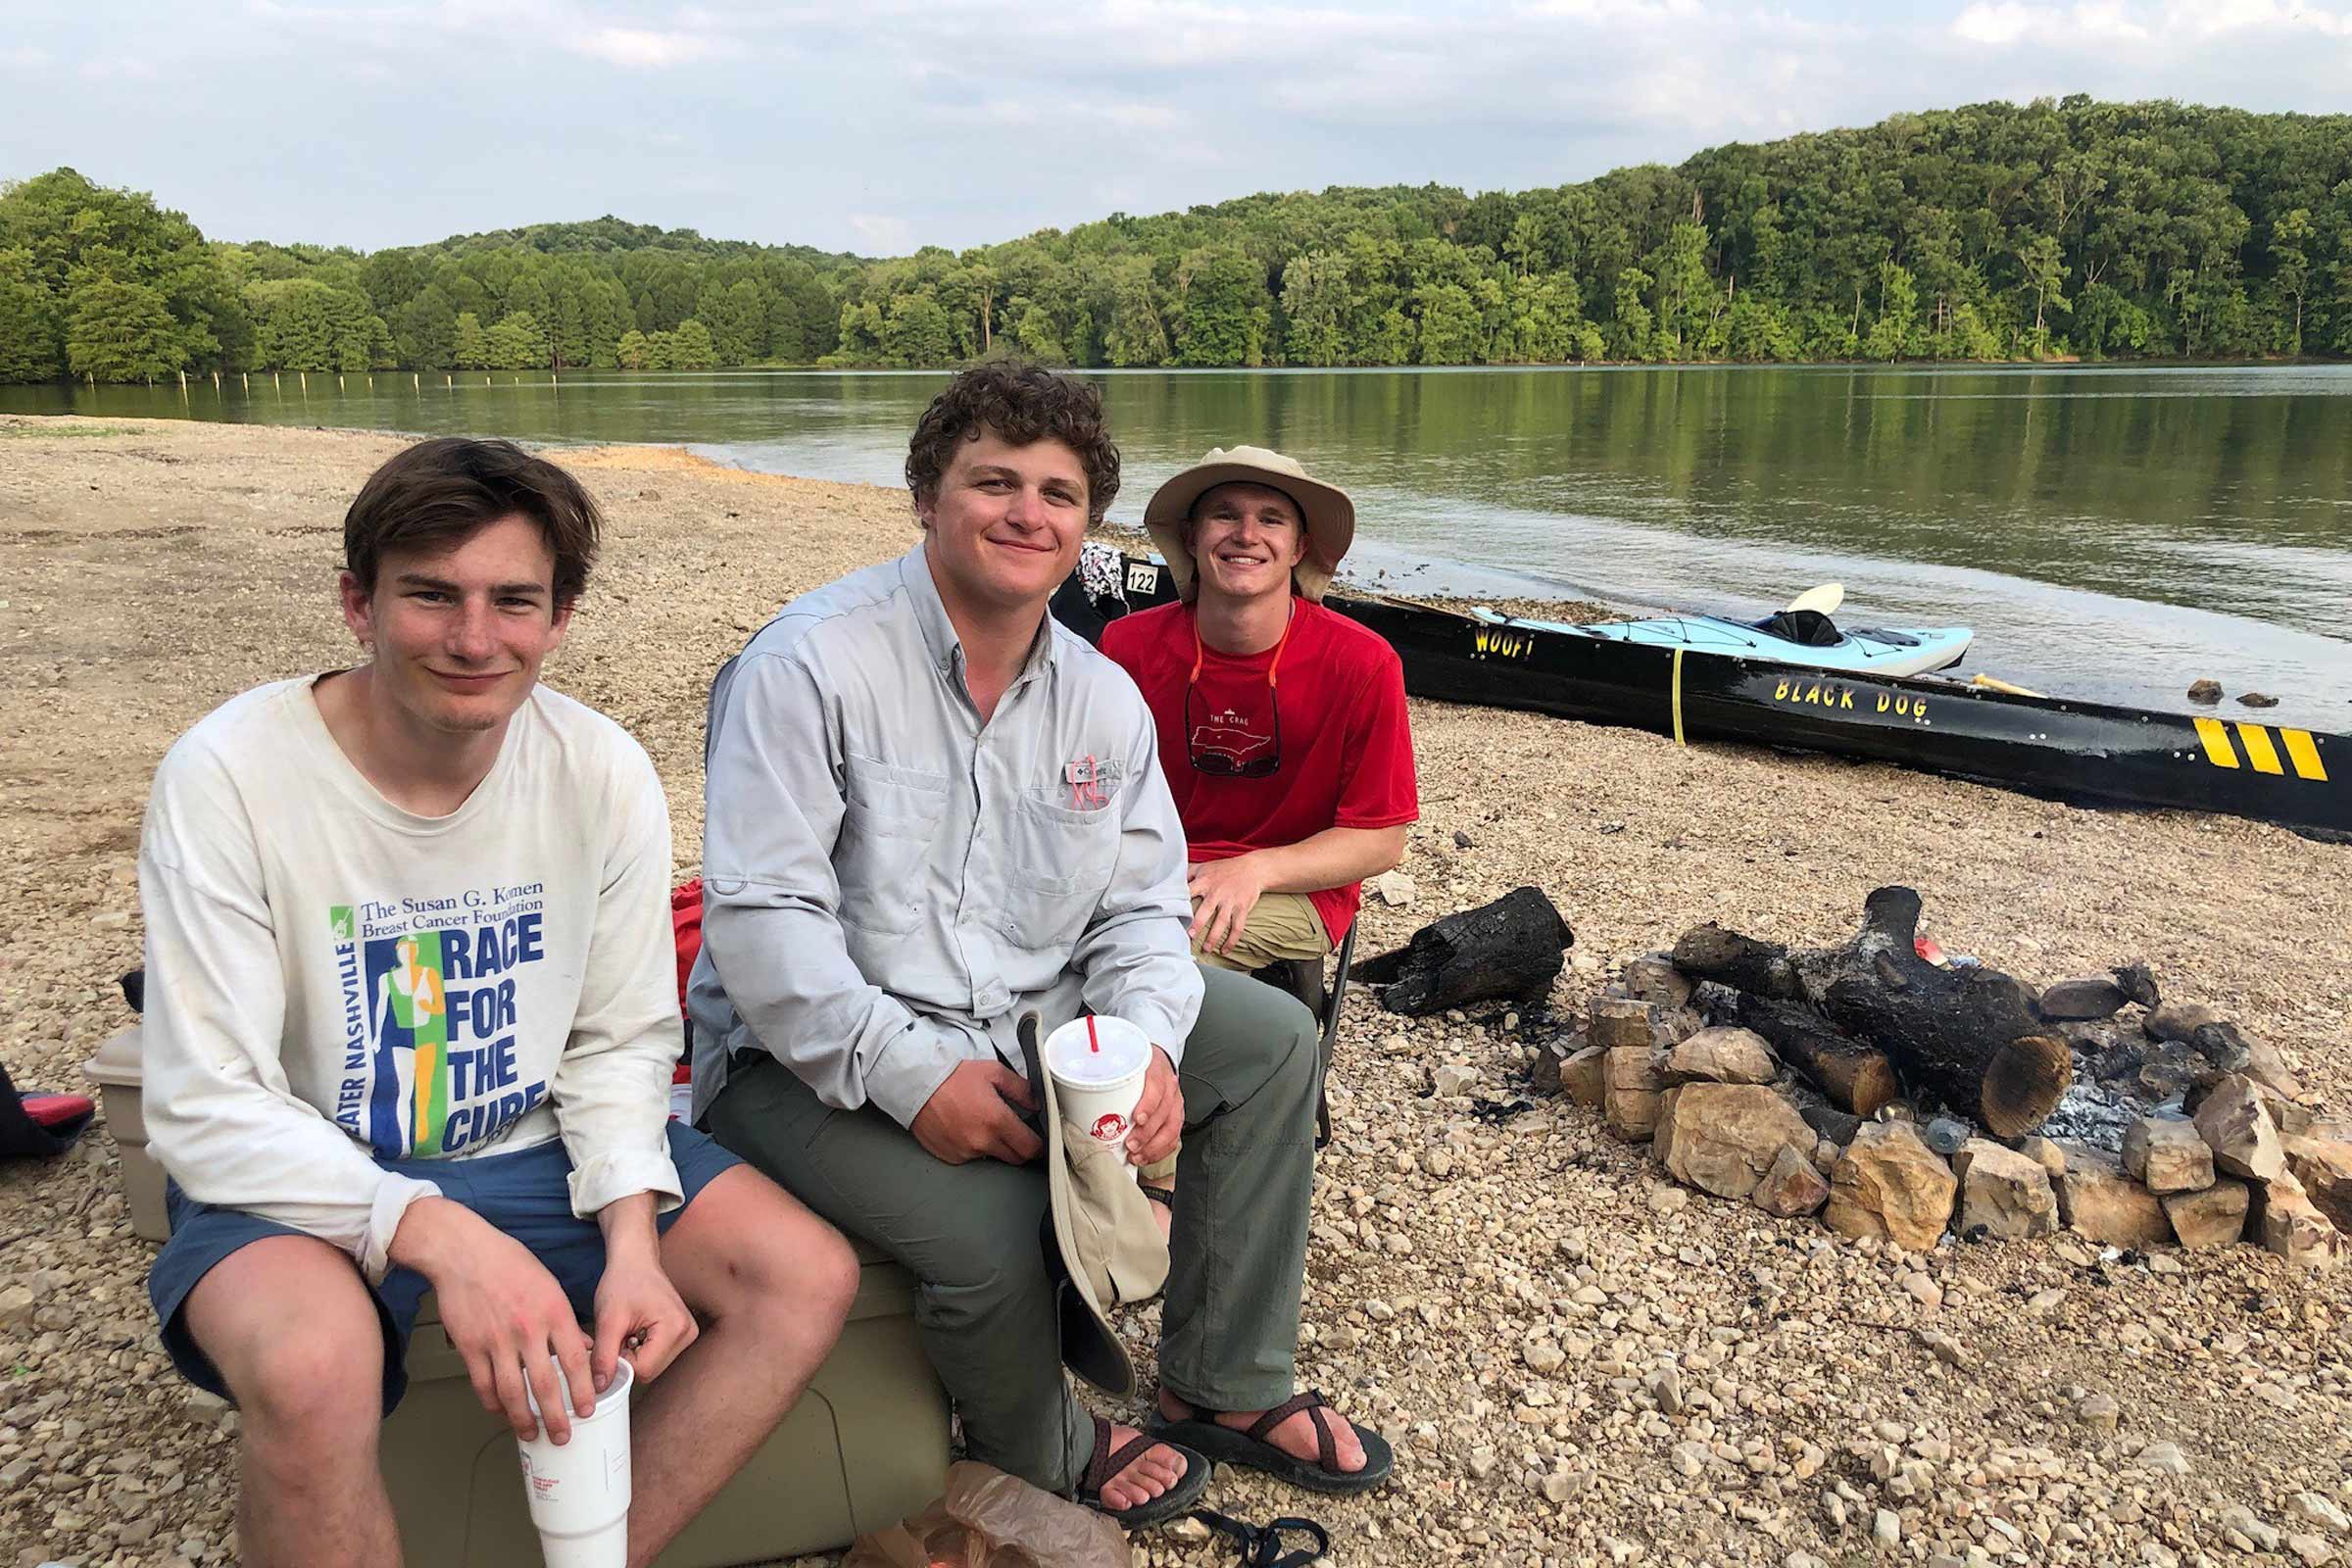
pixel 930 810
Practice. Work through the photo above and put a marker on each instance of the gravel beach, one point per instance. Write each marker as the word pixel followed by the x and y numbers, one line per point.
pixel 1577 1363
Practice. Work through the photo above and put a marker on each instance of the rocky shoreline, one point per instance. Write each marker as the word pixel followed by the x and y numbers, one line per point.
pixel 1580 1362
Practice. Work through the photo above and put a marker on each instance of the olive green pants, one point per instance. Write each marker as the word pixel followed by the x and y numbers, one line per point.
pixel 971 1234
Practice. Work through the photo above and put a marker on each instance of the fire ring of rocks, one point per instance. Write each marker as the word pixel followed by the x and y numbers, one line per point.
pixel 1899 1095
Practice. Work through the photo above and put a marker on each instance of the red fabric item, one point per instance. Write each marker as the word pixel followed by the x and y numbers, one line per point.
pixel 686 926
pixel 1347 747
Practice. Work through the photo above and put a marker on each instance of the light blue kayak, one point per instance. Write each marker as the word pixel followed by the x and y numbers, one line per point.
pixel 1787 638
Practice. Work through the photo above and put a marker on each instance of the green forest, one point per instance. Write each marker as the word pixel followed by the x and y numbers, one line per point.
pixel 2067 229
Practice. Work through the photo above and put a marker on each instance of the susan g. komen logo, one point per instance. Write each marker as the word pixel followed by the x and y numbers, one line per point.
pixel 1110 1127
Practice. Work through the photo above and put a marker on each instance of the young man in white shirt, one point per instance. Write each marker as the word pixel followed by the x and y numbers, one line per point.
pixel 409 1026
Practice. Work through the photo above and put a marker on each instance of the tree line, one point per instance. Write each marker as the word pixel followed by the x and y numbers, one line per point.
pixel 2072 229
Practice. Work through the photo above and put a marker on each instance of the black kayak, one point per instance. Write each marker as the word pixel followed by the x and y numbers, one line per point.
pixel 2091 753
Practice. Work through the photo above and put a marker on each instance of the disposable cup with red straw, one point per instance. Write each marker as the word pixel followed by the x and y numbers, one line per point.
pixel 1097 1066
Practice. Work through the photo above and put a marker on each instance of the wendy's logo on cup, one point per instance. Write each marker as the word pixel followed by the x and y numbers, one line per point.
pixel 1110 1127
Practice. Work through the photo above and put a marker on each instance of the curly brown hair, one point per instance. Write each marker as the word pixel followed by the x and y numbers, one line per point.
pixel 1018 404
pixel 437 494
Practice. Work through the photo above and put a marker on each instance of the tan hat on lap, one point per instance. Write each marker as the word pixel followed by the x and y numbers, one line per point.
pixel 1329 516
pixel 1104 1248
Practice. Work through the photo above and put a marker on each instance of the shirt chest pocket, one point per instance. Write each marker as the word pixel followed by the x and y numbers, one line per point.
pixel 891 817
pixel 1060 864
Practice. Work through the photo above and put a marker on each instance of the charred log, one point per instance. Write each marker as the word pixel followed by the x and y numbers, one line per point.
pixel 1857 1078
pixel 1510 947
pixel 1970 1034
pixel 1743 963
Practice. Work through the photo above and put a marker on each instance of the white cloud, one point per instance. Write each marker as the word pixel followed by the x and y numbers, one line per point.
pixel 1996 24
pixel 642 49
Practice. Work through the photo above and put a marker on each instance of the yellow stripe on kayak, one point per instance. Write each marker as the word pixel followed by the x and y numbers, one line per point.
pixel 1678 699
pixel 2216 736
pixel 2259 751
pixel 2304 755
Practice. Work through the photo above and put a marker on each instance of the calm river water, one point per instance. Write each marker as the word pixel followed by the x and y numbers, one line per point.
pixel 2110 533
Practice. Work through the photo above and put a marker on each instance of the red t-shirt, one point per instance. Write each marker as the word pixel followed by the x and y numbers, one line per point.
pixel 1346 748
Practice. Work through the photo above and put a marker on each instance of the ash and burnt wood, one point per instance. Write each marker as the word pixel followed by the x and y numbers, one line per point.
pixel 1510 947
pixel 1743 963
pixel 1970 1034
pixel 1857 1078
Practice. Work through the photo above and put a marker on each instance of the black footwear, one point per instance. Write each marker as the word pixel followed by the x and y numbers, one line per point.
pixel 1224 1444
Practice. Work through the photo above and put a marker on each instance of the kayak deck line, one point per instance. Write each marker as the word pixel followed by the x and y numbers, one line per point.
pixel 2086 752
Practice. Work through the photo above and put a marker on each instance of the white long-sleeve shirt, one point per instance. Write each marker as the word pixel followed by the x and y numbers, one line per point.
pixel 333 981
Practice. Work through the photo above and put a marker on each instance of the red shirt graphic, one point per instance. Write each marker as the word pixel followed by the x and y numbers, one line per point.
pixel 1346 748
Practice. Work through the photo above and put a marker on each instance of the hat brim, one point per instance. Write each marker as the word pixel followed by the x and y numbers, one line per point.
pixel 1326 510
pixel 1089 1345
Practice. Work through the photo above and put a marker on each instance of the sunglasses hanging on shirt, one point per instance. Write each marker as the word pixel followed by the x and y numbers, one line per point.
pixel 1218 764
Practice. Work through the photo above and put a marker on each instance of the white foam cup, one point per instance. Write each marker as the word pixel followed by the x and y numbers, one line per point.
pixel 1098 1089
pixel 579 1492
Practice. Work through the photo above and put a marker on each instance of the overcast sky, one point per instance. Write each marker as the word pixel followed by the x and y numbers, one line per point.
pixel 882 125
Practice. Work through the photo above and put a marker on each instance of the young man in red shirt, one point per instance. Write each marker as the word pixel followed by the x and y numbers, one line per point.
pixel 1281 724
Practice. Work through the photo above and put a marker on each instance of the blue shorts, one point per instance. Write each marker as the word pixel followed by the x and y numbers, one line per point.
pixel 526 1193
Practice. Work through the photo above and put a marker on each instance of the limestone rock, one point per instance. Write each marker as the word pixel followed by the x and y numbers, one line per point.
pixel 1630 1107
pixel 1890 1184
pixel 1584 1077
pixel 15 1306
pixel 2048 1155
pixel 2095 1199
pixel 2238 1128
pixel 1669 1027
pixel 2283 1219
pixel 2004 1196
pixel 2213 1216
pixel 2267 1068
pixel 2312 1508
pixel 2324 1165
pixel 1653 978
pixel 2083 1000
pixel 1621 1022
pixel 2167 1156
pixel 1722 1057
pixel 1452 1079
pixel 1721 1138
pixel 1794 1186
pixel 2178 1021
pixel 1395 889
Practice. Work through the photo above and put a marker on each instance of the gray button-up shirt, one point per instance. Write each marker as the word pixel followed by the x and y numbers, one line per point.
pixel 887 884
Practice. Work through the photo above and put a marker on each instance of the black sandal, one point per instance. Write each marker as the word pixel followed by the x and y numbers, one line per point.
pixel 1224 1444
pixel 1105 1466
pixel 1164 1197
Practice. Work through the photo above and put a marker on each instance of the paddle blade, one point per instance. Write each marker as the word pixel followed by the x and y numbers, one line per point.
pixel 1821 601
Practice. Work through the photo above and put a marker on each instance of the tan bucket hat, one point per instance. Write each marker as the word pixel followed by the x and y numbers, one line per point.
pixel 1329 514
pixel 1105 1249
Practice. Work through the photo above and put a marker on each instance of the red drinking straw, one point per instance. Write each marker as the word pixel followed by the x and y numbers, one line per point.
pixel 1093 1045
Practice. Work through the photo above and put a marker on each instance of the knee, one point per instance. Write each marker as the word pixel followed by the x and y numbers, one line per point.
pixel 800 1279
pixel 315 1387
pixel 829 1277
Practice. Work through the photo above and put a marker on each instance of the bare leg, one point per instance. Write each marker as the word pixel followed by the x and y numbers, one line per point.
pixel 770 1284
pixel 294 1331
